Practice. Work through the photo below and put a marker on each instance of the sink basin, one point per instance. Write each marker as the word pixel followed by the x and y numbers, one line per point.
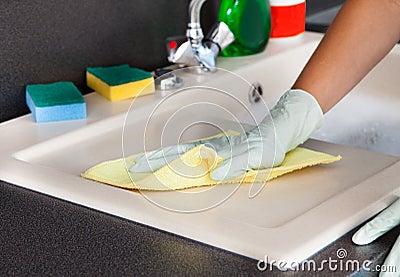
pixel 369 114
pixel 291 218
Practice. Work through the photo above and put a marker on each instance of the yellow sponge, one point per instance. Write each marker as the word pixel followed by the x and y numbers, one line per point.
pixel 120 82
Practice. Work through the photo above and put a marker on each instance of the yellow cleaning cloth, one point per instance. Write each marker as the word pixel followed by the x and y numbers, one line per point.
pixel 193 169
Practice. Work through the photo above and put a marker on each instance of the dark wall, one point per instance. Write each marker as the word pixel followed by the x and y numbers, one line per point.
pixel 314 6
pixel 45 41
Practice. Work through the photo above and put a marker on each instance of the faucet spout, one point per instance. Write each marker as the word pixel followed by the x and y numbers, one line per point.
pixel 194 33
pixel 197 50
pixel 194 12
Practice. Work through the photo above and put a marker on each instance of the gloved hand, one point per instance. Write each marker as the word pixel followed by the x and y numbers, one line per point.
pixel 293 119
pixel 384 222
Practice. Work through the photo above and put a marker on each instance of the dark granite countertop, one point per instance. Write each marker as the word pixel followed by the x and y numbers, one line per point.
pixel 41 235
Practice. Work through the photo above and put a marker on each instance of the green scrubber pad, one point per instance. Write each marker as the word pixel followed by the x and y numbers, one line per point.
pixel 118 75
pixel 60 93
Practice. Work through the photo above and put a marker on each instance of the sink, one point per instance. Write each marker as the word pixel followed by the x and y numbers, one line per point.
pixel 292 217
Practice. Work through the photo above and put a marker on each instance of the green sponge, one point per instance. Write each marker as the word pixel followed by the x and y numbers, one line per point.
pixel 55 102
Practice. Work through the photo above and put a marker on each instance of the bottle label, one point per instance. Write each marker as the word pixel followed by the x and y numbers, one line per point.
pixel 288 21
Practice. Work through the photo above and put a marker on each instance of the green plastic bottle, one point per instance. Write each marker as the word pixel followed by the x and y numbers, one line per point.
pixel 250 22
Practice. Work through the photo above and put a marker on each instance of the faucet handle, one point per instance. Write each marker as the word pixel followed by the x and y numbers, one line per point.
pixel 194 50
pixel 173 43
pixel 221 35
pixel 191 52
pixel 179 50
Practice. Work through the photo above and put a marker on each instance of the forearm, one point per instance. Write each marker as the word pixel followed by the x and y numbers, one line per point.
pixel 363 33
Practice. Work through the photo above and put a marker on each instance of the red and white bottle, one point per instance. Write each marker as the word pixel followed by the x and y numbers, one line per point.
pixel 288 18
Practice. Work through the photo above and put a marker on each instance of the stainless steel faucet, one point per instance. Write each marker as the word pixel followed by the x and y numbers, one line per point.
pixel 197 50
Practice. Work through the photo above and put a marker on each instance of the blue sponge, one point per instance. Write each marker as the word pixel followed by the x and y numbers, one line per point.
pixel 55 102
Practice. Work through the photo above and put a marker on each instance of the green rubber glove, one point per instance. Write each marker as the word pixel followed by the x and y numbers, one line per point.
pixel 293 119
pixel 384 222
